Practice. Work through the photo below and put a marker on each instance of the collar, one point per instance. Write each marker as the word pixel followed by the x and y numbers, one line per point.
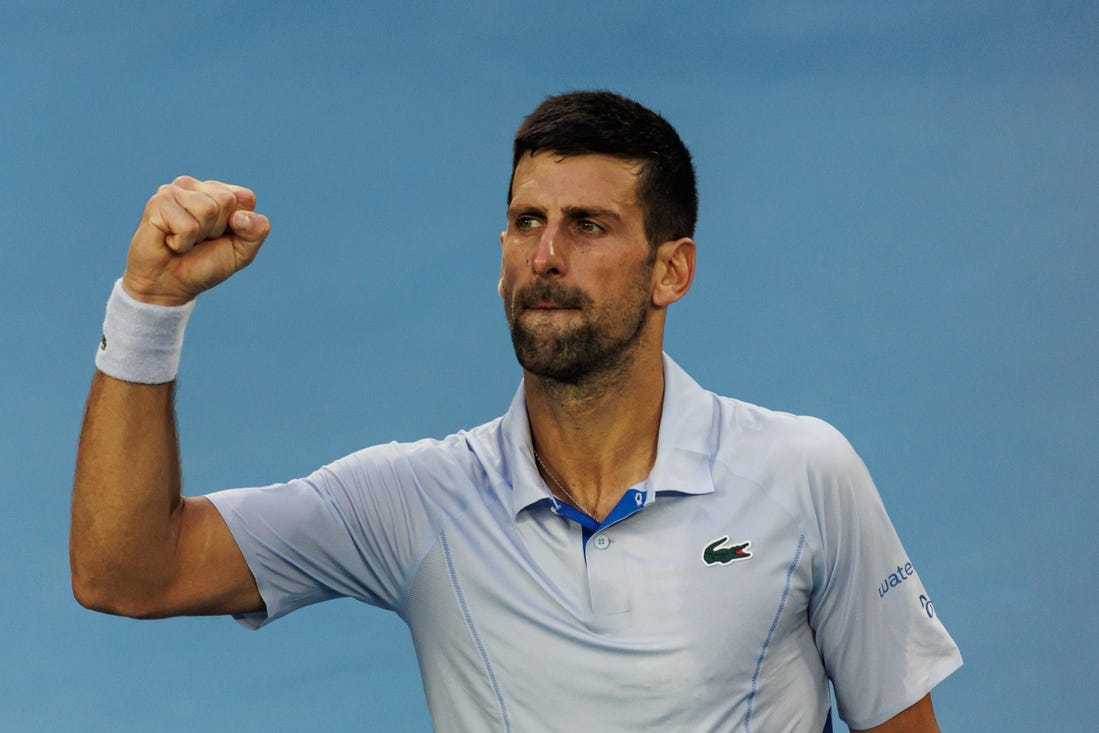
pixel 684 447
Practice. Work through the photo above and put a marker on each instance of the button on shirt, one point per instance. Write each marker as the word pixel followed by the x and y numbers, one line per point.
pixel 712 598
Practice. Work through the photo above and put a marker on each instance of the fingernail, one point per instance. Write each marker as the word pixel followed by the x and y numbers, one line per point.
pixel 244 220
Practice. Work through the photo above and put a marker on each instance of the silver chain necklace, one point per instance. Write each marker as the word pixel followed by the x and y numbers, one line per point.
pixel 560 485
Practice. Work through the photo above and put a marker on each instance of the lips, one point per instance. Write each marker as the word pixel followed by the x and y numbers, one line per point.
pixel 546 296
pixel 549 307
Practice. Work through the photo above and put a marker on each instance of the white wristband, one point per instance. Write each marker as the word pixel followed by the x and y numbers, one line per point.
pixel 141 342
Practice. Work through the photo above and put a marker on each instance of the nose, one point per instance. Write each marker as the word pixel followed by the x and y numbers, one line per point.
pixel 549 258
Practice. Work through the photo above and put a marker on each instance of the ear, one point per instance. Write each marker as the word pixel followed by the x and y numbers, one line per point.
pixel 500 283
pixel 674 271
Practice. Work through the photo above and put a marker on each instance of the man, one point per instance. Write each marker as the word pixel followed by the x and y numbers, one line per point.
pixel 621 550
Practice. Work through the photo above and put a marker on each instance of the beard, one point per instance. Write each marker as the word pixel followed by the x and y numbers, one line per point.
pixel 600 344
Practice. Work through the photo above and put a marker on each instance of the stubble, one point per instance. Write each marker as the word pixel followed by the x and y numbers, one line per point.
pixel 597 350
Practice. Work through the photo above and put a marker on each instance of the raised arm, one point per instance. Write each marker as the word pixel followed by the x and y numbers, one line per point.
pixel 137 547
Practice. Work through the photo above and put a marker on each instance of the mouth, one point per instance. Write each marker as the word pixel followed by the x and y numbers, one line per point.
pixel 550 307
pixel 547 298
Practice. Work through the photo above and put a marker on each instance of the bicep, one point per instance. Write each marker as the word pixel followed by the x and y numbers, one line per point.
pixel 209 574
pixel 919 718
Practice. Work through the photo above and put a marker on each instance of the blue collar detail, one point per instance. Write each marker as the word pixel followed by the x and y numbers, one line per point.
pixel 684 452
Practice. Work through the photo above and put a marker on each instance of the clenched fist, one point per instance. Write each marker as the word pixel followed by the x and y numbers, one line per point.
pixel 193 235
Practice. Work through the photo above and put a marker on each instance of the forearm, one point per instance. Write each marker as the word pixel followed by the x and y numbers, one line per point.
pixel 136 546
pixel 126 496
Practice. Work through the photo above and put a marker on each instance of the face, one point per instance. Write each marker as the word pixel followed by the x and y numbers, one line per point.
pixel 576 266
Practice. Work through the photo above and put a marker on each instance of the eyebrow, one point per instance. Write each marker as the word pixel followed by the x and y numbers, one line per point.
pixel 515 209
pixel 571 212
pixel 589 212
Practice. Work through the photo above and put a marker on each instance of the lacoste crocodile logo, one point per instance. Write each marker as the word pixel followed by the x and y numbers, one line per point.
pixel 715 555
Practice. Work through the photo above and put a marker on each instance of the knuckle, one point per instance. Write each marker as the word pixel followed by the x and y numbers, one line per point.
pixel 224 198
pixel 206 208
pixel 188 228
pixel 159 200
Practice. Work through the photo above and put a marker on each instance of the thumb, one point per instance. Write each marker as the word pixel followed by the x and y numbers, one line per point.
pixel 249 229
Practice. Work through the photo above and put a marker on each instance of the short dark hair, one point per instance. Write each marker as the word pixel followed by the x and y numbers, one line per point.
pixel 605 123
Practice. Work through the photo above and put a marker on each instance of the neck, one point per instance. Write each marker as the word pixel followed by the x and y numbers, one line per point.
pixel 597 438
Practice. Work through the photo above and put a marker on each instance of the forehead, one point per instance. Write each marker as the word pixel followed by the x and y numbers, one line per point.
pixel 550 179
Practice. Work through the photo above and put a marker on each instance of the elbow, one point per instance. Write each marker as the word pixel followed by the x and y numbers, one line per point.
pixel 100 583
pixel 106 597
pixel 95 597
pixel 88 583
pixel 87 598
pixel 108 582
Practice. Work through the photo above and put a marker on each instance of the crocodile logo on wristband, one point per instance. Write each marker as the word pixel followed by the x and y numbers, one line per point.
pixel 103 343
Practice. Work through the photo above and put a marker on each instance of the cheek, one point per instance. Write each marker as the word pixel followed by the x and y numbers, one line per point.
pixel 506 288
pixel 511 268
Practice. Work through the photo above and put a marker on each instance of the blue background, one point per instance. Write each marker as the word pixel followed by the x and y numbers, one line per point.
pixel 897 234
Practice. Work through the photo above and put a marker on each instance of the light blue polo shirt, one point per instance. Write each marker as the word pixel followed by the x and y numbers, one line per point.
pixel 755 563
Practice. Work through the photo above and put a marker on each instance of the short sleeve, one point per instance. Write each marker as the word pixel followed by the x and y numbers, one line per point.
pixel 882 643
pixel 355 528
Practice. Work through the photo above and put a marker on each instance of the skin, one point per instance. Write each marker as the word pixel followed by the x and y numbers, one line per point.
pixel 574 262
pixel 919 718
pixel 136 547
pixel 575 224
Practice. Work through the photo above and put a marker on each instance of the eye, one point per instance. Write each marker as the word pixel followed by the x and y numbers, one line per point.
pixel 588 227
pixel 525 222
